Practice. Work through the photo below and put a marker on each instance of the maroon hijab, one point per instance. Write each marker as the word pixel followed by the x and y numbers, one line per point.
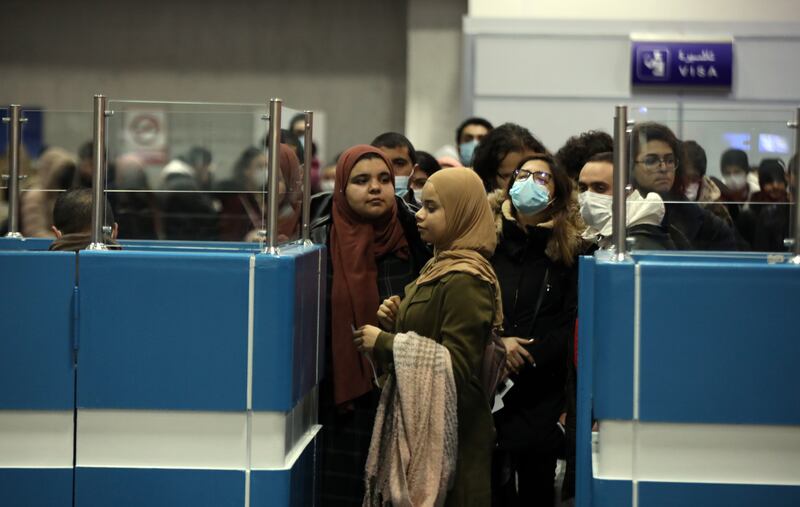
pixel 292 178
pixel 355 244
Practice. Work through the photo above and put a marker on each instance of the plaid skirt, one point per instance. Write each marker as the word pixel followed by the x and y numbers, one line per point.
pixel 345 446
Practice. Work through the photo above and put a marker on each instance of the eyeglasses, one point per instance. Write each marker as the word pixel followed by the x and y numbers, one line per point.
pixel 653 162
pixel 540 177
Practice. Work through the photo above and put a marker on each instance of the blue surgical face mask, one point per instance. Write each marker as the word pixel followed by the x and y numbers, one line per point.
pixel 465 152
pixel 529 197
pixel 400 185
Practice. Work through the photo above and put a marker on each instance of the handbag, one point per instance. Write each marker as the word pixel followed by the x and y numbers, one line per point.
pixel 494 359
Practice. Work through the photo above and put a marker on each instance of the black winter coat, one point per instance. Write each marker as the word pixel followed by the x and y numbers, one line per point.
pixel 703 229
pixel 321 221
pixel 534 404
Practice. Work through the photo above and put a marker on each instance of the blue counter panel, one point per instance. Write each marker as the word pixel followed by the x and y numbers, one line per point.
pixel 608 493
pixel 163 330
pixel 36 358
pixel 189 246
pixel 36 487
pixel 25 244
pixel 286 289
pixel 664 494
pixel 305 349
pixel 296 487
pixel 682 256
pixel 273 333
pixel 134 487
pixel 719 353
pixel 613 340
pixel 583 449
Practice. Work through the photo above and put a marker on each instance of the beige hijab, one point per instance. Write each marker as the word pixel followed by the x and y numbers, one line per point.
pixel 471 237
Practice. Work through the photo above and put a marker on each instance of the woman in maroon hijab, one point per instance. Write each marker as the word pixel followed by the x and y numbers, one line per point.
pixel 374 252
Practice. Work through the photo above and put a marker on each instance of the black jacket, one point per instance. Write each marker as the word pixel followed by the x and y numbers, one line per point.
pixel 534 404
pixel 321 221
pixel 650 237
pixel 187 213
pixel 766 223
pixel 703 229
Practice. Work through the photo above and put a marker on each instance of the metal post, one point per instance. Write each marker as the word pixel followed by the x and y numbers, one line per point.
pixel 796 189
pixel 307 176
pixel 620 181
pixel 273 143
pixel 15 121
pixel 98 174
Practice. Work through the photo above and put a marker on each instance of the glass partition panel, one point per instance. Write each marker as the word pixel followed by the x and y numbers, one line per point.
pixel 187 172
pixel 3 159
pixel 717 176
pixel 55 157
pixel 290 176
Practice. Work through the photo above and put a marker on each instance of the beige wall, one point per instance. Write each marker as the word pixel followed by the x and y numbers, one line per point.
pixel 433 96
pixel 345 58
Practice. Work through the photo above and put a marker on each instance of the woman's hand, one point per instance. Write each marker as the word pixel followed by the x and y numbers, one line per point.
pixel 516 355
pixel 387 313
pixel 365 337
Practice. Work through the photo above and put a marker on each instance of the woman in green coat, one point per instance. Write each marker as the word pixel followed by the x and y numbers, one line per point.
pixel 455 302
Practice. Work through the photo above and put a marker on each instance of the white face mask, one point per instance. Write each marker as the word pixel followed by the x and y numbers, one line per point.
pixel 327 185
pixel 416 194
pixel 692 190
pixel 595 209
pixel 736 181
pixel 400 185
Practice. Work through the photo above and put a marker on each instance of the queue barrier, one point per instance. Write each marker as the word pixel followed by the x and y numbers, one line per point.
pixel 160 377
pixel 686 362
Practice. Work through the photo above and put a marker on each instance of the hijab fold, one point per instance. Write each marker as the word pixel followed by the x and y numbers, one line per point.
pixel 355 246
pixel 292 198
pixel 470 238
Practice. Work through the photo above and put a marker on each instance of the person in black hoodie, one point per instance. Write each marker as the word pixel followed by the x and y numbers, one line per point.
pixel 539 229
pixel 657 168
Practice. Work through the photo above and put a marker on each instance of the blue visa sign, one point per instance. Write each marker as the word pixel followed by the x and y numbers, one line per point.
pixel 682 64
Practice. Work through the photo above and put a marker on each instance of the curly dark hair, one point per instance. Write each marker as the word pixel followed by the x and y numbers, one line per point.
pixel 498 143
pixel 579 149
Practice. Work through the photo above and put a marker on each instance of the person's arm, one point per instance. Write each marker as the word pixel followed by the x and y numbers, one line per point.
pixel 467 313
pixel 550 348
pixel 715 234
pixel 383 352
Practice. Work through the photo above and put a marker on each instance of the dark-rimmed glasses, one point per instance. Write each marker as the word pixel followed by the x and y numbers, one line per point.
pixel 540 177
pixel 653 162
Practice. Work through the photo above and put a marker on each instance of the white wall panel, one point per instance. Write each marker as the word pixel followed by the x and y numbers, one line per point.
pixel 563 77
pixel 713 10
pixel 532 66
pixel 767 68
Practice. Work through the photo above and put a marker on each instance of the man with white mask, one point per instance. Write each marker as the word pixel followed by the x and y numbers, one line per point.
pixel 644 214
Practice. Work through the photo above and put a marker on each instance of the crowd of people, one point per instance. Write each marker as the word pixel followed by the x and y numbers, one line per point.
pixel 185 202
pixel 435 264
